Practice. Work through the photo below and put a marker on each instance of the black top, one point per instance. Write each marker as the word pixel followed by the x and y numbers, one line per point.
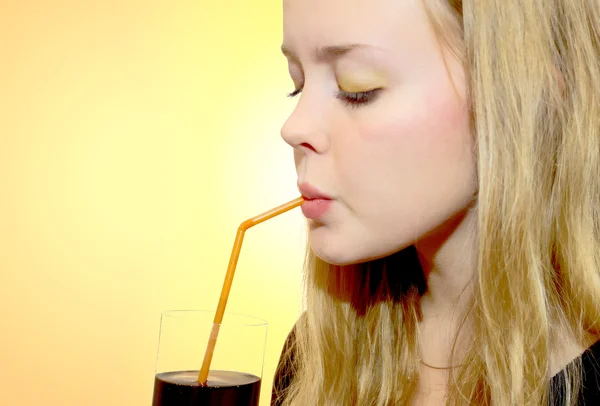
pixel 590 393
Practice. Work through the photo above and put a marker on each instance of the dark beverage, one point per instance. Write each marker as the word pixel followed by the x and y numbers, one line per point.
pixel 224 388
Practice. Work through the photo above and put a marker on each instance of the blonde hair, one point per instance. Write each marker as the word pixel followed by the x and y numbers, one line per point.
pixel 533 72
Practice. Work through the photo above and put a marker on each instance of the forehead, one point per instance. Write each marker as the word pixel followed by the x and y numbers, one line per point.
pixel 385 24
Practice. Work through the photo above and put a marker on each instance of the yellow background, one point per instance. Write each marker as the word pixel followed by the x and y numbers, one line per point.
pixel 135 136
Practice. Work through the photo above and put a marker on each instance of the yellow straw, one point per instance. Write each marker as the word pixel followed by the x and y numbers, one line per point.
pixel 237 246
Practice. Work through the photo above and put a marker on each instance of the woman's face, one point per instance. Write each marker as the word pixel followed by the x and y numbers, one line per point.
pixel 381 125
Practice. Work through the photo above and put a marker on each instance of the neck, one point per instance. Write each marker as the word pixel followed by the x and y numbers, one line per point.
pixel 448 260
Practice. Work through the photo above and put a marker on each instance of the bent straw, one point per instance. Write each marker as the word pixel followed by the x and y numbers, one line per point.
pixel 237 246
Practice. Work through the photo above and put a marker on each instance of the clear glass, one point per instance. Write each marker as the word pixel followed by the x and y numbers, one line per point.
pixel 236 367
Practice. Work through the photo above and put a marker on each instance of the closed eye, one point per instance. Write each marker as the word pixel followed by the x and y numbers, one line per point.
pixel 352 99
pixel 358 98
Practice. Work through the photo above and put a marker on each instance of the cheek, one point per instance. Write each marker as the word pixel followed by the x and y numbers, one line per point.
pixel 425 122
pixel 410 140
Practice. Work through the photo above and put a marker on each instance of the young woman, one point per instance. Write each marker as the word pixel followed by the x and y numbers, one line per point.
pixel 450 153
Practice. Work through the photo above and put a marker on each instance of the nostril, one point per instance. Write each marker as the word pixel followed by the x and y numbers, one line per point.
pixel 307 145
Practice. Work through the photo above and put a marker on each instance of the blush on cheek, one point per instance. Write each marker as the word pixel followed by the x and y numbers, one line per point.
pixel 447 102
pixel 447 116
pixel 436 118
pixel 432 126
pixel 418 118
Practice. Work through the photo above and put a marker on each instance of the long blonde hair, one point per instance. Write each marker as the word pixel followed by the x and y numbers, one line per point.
pixel 533 70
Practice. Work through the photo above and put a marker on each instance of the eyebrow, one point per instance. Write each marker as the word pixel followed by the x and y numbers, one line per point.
pixel 328 53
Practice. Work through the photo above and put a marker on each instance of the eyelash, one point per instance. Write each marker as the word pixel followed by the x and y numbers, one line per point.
pixel 350 99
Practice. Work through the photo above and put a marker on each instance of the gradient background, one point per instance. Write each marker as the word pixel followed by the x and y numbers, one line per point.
pixel 135 136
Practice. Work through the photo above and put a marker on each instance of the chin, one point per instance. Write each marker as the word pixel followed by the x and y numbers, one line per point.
pixel 331 250
pixel 341 252
pixel 333 259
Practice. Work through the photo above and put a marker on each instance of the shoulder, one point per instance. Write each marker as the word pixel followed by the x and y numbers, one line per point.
pixel 590 365
pixel 590 374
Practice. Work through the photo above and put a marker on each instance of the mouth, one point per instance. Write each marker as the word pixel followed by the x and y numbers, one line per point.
pixel 316 203
pixel 310 192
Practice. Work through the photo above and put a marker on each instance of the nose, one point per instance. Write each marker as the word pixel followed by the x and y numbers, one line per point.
pixel 304 130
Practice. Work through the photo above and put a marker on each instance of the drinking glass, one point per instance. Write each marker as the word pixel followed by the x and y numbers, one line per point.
pixel 236 368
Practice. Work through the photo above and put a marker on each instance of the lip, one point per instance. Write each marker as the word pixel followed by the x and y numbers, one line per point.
pixel 309 192
pixel 316 203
